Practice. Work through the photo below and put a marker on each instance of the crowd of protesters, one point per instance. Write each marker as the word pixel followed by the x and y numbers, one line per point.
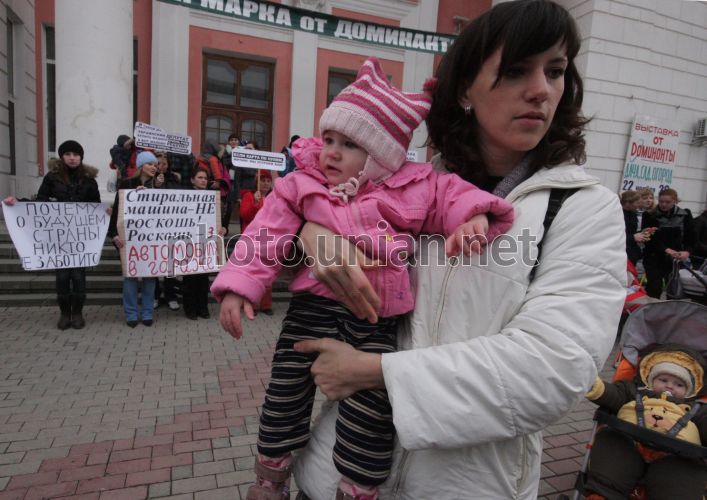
pixel 659 234
pixel 70 180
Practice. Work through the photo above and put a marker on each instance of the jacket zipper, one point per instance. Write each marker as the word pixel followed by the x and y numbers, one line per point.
pixel 404 461
pixel 523 463
pixel 448 273
pixel 359 227
pixel 403 472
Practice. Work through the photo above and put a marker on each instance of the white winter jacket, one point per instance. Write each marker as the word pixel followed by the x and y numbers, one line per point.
pixel 487 359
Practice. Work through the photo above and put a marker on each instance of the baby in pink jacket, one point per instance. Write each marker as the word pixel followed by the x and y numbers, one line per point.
pixel 356 181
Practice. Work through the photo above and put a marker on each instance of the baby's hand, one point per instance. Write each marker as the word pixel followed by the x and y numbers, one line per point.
pixel 468 237
pixel 230 316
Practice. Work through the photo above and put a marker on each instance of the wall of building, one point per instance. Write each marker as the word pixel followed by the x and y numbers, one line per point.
pixel 21 14
pixel 644 57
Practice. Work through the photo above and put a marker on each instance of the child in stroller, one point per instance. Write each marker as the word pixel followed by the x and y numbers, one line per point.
pixel 662 397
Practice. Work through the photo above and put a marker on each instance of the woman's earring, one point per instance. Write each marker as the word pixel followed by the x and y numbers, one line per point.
pixel 467 109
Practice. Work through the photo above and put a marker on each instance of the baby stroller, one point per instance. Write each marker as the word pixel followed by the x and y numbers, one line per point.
pixel 677 322
pixel 694 283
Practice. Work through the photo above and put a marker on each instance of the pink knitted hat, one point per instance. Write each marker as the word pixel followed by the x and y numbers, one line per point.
pixel 378 117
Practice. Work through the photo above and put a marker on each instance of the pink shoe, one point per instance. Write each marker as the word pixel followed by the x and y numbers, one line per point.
pixel 350 491
pixel 272 480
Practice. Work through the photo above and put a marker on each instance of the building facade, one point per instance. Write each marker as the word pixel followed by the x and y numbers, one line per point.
pixel 266 70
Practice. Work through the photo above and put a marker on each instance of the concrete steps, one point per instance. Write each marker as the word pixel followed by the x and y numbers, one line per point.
pixel 20 288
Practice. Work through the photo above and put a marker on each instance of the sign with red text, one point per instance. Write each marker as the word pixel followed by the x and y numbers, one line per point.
pixel 169 232
pixel 50 235
pixel 651 154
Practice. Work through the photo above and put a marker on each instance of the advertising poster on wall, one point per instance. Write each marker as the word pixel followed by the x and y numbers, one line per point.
pixel 651 154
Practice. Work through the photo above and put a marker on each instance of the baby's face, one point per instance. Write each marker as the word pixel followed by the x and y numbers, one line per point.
pixel 667 382
pixel 341 158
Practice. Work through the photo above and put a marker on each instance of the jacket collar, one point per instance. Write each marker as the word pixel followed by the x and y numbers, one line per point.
pixel 566 176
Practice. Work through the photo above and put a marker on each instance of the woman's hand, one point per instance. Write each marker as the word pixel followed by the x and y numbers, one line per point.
pixel 118 241
pixel 10 200
pixel 230 315
pixel 343 273
pixel 257 196
pixel 640 237
pixel 221 231
pixel 340 370
pixel 682 256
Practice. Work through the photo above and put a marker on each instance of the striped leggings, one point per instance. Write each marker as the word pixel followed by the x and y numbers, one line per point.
pixel 364 427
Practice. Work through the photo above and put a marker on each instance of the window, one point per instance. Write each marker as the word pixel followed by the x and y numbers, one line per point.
pixel 11 33
pixel 134 80
pixel 10 55
pixel 50 91
pixel 338 81
pixel 237 98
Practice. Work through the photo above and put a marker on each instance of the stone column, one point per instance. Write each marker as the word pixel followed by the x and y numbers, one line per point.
pixel 94 77
pixel 304 83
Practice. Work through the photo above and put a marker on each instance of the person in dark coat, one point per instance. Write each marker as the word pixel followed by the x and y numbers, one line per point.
pixel 629 203
pixel 69 180
pixel 699 245
pixel 672 240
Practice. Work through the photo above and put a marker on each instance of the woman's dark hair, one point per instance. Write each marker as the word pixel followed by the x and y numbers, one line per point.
pixel 523 28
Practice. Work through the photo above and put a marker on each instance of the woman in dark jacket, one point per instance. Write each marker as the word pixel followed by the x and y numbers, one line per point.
pixel 671 241
pixel 69 180
pixel 699 245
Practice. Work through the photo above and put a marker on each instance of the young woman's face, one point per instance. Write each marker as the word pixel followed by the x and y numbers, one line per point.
pixel 667 382
pixel 666 202
pixel 149 169
pixel 163 164
pixel 265 185
pixel 72 160
pixel 647 201
pixel 341 158
pixel 233 142
pixel 632 205
pixel 200 180
pixel 516 114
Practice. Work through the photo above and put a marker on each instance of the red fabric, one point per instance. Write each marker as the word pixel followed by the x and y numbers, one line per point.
pixel 249 208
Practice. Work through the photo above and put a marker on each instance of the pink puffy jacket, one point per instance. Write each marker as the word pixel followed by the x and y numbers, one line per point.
pixel 382 219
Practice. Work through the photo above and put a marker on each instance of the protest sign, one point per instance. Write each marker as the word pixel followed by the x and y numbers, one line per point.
pixel 49 235
pixel 651 154
pixel 169 232
pixel 251 158
pixel 151 137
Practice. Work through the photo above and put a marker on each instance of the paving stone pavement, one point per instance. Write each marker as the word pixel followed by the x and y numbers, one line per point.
pixel 168 411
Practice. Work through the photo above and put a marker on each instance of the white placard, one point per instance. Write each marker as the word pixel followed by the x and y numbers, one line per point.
pixel 150 137
pixel 251 158
pixel 412 155
pixel 52 235
pixel 170 232
pixel 651 154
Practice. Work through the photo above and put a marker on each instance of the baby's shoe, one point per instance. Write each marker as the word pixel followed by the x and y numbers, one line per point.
pixel 272 480
pixel 350 491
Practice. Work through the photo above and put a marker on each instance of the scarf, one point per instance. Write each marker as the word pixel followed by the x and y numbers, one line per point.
pixel 519 173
